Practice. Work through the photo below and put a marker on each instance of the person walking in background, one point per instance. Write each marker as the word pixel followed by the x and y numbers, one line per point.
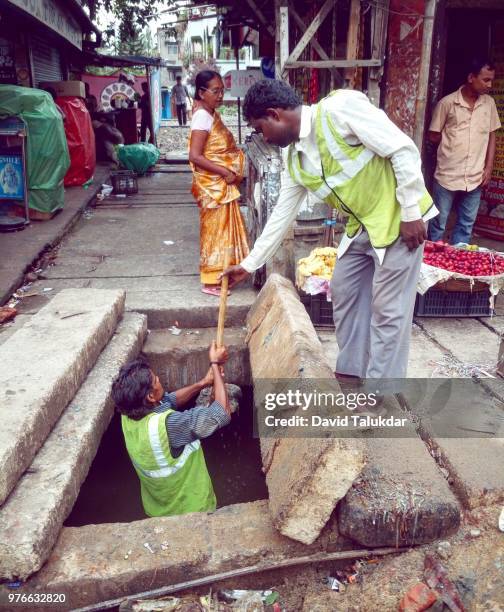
pixel 217 165
pixel 181 95
pixel 464 125
pixel 146 121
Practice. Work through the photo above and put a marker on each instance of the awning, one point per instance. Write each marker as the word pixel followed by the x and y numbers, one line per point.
pixel 120 61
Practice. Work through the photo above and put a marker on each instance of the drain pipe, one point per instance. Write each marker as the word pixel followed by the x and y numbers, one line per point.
pixel 423 84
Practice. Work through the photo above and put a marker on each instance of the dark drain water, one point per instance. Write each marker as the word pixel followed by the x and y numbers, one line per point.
pixel 111 492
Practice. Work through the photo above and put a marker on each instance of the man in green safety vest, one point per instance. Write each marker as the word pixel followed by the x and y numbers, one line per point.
pixel 349 154
pixel 164 443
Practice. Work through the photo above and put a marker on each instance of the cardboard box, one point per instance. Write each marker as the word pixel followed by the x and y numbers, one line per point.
pixel 66 88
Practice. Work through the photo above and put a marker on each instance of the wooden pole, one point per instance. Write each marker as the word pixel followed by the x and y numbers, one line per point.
pixel 223 298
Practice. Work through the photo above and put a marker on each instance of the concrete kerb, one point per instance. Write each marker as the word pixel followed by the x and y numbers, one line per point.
pixel 38 381
pixel 32 516
pixel 305 477
pixel 96 563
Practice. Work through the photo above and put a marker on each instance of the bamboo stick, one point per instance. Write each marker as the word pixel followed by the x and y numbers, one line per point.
pixel 223 299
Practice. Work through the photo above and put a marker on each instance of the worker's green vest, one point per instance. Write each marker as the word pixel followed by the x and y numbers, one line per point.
pixel 169 485
pixel 365 183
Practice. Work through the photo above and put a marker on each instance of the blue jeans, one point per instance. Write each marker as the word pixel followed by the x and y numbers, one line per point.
pixel 468 205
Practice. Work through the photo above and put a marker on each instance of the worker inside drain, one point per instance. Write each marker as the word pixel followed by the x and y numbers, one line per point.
pixel 163 442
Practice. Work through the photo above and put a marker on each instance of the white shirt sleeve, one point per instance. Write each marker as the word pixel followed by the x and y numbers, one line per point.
pixel 377 132
pixel 284 213
pixel 202 120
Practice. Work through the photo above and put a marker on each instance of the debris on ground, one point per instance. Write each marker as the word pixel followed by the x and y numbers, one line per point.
pixel 501 520
pixel 418 598
pixel 437 578
pixel 222 601
pixel 444 550
pixel 7 313
pixel 448 366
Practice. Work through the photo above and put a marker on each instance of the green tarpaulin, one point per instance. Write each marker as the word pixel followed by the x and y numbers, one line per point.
pixel 47 158
pixel 138 157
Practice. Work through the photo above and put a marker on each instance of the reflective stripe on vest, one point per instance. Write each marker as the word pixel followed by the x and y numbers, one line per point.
pixel 355 180
pixel 164 468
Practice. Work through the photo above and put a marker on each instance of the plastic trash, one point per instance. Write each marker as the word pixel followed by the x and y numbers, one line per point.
pixel 335 584
pixel 501 520
pixel 138 157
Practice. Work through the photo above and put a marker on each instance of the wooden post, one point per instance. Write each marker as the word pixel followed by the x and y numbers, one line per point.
pixel 281 39
pixel 353 41
pixel 379 23
pixel 333 45
pixel 223 298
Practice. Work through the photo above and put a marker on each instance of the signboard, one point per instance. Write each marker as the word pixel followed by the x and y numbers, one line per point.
pixel 7 68
pixel 241 80
pixel 51 14
pixel 11 177
pixel 155 91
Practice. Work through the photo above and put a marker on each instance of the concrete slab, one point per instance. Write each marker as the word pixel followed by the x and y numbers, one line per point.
pixel 7 329
pixel 400 499
pixel 32 516
pixel 182 360
pixel 424 353
pixel 43 366
pixel 476 468
pixel 467 339
pixel 18 250
pixel 99 562
pixel 305 477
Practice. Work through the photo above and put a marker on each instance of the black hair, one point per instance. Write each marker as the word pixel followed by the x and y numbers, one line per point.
pixel 130 389
pixel 202 79
pixel 178 78
pixel 269 93
pixel 476 65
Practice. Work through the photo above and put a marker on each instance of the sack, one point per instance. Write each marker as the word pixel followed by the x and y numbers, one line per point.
pixel 138 157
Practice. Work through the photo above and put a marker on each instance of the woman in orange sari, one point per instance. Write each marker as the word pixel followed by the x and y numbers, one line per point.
pixel 217 166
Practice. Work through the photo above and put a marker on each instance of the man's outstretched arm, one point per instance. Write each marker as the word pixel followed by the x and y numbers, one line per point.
pixel 284 213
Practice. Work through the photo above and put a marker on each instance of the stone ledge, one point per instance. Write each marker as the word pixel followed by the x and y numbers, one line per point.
pixel 43 366
pixel 32 516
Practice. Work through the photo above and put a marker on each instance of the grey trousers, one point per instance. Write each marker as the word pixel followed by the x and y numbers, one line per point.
pixel 373 308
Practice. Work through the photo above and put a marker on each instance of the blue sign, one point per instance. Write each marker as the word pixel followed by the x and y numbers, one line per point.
pixel 11 177
pixel 268 67
pixel 155 92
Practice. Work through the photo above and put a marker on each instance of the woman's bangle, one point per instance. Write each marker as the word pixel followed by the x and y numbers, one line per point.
pixel 215 363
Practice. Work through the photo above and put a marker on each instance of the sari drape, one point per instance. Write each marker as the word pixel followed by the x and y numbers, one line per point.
pixel 221 222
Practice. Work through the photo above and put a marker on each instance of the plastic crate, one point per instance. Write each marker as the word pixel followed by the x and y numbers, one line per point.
pixel 444 303
pixel 124 181
pixel 319 309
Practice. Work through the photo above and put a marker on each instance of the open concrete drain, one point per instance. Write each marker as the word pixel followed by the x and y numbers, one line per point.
pixel 111 492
